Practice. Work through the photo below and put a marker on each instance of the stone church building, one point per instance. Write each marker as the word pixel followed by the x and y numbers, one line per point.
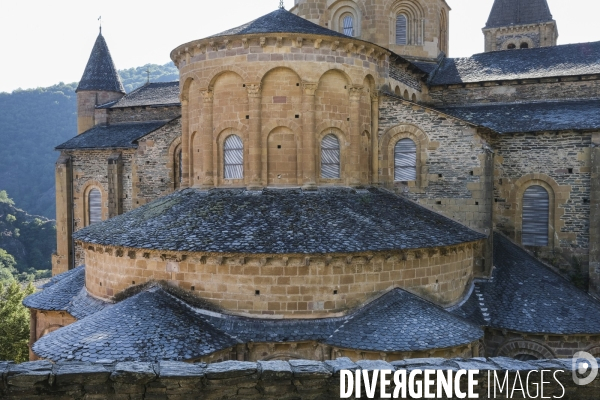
pixel 327 182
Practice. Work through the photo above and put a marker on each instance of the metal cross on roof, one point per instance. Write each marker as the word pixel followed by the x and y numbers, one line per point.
pixel 281 4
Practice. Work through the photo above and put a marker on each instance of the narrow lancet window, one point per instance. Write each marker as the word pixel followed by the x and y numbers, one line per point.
pixel 330 157
pixel 234 157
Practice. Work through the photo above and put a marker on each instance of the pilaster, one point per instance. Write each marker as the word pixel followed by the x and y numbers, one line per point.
pixel 354 156
pixel 375 139
pixel 309 136
pixel 207 175
pixel 255 147
pixel 115 185
pixel 62 260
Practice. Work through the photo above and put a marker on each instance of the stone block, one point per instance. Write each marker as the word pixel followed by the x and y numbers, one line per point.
pixel 275 370
pixel 342 363
pixel 81 374
pixel 510 364
pixel 304 369
pixel 133 373
pixel 231 369
pixel 369 365
pixel 28 374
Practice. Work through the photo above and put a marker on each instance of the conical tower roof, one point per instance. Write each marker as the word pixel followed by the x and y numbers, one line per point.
pixel 100 71
pixel 518 12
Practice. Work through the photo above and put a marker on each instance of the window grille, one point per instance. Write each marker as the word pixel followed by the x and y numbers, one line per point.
pixel 405 161
pixel 401 30
pixel 95 206
pixel 234 157
pixel 349 25
pixel 536 216
pixel 330 157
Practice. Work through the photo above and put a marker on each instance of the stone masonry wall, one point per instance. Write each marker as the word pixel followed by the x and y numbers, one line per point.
pixel 292 285
pixel 135 114
pixel 513 91
pixel 560 162
pixel 264 380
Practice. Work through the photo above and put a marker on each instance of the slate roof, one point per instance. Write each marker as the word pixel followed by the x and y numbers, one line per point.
pixel 151 94
pixel 401 321
pixel 100 72
pixel 66 292
pixel 555 61
pixel 284 221
pixel 518 12
pixel 531 117
pixel 277 21
pixel 526 296
pixel 149 326
pixel 153 325
pixel 114 136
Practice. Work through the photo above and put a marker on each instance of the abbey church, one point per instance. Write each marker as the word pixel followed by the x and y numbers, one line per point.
pixel 327 182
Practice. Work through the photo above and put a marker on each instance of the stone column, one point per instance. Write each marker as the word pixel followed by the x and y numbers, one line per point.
pixel 115 185
pixel 375 139
pixel 207 175
pixel 595 217
pixel 255 145
pixel 187 179
pixel 354 153
pixel 62 260
pixel 309 159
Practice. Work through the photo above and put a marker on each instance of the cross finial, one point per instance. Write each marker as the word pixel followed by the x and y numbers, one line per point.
pixel 281 4
pixel 100 19
pixel 148 72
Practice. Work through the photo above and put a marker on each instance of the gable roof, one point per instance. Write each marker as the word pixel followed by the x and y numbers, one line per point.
pixel 151 94
pixel 285 221
pixel 556 61
pixel 532 116
pixel 114 136
pixel 277 21
pixel 524 295
pixel 518 12
pixel 100 72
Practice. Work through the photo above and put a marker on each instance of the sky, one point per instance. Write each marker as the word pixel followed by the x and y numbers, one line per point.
pixel 45 42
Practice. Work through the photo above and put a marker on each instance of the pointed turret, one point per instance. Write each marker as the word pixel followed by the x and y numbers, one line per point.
pixel 99 84
pixel 520 24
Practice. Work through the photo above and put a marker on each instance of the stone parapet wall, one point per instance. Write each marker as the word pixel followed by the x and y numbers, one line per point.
pixel 292 285
pixel 565 88
pixel 265 380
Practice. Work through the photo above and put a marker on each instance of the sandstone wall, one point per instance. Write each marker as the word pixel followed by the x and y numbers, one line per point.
pixel 293 285
pixel 276 380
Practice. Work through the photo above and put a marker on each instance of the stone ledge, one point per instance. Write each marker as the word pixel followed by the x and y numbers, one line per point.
pixel 276 380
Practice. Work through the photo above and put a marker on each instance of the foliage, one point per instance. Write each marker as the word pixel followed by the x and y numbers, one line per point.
pixel 4 198
pixel 33 122
pixel 7 267
pixel 26 244
pixel 14 322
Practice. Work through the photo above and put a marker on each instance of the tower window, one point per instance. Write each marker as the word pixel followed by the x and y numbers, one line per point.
pixel 348 25
pixel 95 206
pixel 536 216
pixel 401 30
pixel 511 46
pixel 330 157
pixel 524 45
pixel 233 158
pixel 405 161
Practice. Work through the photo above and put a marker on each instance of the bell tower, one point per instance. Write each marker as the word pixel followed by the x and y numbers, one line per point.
pixel 520 24
pixel 99 84
pixel 413 28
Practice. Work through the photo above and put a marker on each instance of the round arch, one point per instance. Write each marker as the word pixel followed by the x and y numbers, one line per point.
pixel 342 140
pixel 223 134
pixel 175 164
pixel 344 7
pixel 218 71
pixel 282 136
pixel 525 347
pixel 87 187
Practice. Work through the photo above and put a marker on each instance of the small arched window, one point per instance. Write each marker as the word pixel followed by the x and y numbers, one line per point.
pixel 348 25
pixel 536 216
pixel 405 161
pixel 511 46
pixel 406 95
pixel 401 30
pixel 234 157
pixel 95 206
pixel 524 45
pixel 330 157
pixel 178 167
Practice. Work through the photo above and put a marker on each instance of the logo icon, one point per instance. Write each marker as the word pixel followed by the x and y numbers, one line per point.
pixel 582 362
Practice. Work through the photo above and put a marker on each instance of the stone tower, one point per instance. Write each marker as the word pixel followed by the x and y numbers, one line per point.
pixel 99 84
pixel 414 28
pixel 520 24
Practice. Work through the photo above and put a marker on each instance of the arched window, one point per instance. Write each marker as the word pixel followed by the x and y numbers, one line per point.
pixel 234 157
pixel 330 157
pixel 511 46
pixel 348 25
pixel 406 95
pixel 178 167
pixel 524 45
pixel 536 216
pixel 95 206
pixel 401 30
pixel 405 161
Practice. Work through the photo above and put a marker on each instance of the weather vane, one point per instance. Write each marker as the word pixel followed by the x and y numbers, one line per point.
pixel 148 72
pixel 281 4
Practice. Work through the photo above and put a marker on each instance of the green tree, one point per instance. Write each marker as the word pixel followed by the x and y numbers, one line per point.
pixel 4 198
pixel 14 322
